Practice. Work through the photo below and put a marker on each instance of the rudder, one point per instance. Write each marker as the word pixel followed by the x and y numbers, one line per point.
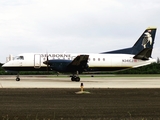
pixel 146 40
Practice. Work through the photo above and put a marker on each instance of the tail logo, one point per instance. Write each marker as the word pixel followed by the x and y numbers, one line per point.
pixel 147 38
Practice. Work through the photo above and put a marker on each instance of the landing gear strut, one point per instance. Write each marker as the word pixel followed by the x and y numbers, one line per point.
pixel 17 77
pixel 75 77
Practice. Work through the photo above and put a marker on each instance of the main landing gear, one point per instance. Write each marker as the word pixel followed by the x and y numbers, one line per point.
pixel 17 77
pixel 75 77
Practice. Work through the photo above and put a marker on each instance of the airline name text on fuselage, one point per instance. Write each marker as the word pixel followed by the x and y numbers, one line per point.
pixel 56 55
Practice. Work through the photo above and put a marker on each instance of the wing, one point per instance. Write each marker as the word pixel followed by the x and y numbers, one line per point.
pixel 79 63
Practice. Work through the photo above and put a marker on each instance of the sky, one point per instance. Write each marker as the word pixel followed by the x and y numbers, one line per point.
pixel 75 26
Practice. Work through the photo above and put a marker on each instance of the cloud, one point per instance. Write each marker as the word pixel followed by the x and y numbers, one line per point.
pixel 74 26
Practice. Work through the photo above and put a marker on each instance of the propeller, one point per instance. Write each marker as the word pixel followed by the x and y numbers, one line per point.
pixel 47 63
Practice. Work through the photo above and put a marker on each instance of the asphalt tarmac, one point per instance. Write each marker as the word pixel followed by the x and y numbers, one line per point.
pixel 97 103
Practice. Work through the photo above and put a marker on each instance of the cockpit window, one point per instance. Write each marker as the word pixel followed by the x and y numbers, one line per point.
pixel 19 58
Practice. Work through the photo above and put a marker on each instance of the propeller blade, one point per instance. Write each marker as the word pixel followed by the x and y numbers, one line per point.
pixel 47 63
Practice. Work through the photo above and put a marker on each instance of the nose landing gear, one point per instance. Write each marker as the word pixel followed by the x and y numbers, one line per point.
pixel 17 77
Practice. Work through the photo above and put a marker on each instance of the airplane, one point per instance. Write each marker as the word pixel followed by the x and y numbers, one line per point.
pixel 136 56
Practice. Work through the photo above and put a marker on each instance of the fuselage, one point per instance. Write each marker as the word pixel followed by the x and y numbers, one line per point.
pixel 96 62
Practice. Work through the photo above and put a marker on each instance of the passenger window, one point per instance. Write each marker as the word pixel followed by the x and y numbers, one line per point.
pixel 93 59
pixel 103 59
pixel 98 59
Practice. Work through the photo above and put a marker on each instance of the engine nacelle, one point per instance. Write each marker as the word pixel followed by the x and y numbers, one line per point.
pixel 63 66
pixel 58 65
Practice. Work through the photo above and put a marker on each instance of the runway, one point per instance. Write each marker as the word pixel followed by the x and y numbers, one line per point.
pixel 110 98
pixel 9 81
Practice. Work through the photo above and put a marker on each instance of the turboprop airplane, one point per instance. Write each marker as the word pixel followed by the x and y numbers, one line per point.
pixel 133 57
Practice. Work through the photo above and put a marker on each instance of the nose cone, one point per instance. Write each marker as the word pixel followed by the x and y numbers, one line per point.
pixel 5 66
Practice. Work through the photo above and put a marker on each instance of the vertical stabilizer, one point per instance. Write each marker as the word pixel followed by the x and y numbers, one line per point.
pixel 143 45
pixel 146 41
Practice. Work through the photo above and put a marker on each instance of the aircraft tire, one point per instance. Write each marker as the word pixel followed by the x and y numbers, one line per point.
pixel 17 79
pixel 77 79
pixel 72 78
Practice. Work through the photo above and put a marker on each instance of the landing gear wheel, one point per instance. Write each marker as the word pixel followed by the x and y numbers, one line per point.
pixel 77 79
pixel 17 79
pixel 74 78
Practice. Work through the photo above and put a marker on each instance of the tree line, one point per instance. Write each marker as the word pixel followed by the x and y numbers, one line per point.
pixel 153 68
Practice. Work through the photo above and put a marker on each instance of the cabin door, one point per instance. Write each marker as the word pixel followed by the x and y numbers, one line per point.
pixel 37 60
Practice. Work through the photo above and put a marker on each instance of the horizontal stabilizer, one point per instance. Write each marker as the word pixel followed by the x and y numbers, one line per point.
pixel 144 54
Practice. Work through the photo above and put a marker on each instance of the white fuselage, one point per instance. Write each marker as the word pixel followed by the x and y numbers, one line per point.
pixel 96 62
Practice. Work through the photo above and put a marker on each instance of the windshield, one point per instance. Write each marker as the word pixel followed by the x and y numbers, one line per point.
pixel 19 58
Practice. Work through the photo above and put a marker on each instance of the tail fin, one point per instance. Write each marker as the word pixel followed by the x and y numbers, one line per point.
pixel 146 40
